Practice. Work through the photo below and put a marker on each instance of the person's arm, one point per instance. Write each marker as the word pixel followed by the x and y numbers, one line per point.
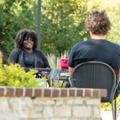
pixel 118 75
pixel 13 57
pixel 46 63
pixel 70 71
pixel 45 60
pixel 71 63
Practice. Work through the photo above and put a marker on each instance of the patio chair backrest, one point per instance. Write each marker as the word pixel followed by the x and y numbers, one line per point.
pixel 95 74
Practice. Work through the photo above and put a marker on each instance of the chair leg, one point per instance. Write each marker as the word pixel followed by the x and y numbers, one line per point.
pixel 70 82
pixel 114 109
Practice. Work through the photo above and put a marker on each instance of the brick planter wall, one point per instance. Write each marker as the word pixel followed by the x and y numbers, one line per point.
pixel 50 104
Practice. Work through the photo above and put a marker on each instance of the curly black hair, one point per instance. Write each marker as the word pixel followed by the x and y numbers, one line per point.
pixel 98 23
pixel 26 34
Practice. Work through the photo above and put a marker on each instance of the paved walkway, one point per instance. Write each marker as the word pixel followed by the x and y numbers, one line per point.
pixel 107 115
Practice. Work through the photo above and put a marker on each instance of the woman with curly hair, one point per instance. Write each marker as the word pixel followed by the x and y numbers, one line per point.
pixel 98 48
pixel 25 52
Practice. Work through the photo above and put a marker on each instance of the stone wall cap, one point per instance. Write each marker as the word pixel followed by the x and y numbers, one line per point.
pixel 51 92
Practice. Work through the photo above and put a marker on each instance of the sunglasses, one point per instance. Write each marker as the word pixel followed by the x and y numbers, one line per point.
pixel 28 39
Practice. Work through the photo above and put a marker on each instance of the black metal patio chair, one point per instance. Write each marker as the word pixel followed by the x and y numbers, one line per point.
pixel 94 74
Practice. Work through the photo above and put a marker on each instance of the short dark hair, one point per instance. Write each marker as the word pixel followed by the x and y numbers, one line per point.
pixel 26 33
pixel 98 23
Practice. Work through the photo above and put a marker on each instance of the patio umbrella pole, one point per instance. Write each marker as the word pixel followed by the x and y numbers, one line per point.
pixel 38 23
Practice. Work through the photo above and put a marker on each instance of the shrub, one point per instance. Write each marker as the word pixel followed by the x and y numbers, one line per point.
pixel 15 75
pixel 107 106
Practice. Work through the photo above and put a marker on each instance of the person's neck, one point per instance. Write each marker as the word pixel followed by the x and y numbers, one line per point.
pixel 98 37
pixel 28 50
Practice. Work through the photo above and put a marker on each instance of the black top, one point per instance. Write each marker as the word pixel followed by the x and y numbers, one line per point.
pixel 36 59
pixel 29 59
pixel 95 50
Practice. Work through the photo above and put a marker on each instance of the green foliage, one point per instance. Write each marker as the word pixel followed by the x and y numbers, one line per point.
pixel 112 9
pixel 62 24
pixel 1 1
pixel 107 106
pixel 42 83
pixel 15 15
pixel 14 75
